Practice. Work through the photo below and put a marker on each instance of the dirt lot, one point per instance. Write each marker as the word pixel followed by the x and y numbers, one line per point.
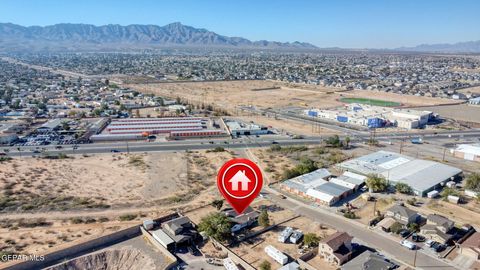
pixel 475 90
pixel 90 181
pixel 455 212
pixel 229 95
pixel 462 112
pixel 365 210
pixel 52 235
pixel 254 253
pixel 275 163
pixel 51 204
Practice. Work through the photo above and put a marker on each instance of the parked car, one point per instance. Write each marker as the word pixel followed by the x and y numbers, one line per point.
pixel 437 247
pixel 408 244
pixel 418 238
pixel 404 233
pixel 429 243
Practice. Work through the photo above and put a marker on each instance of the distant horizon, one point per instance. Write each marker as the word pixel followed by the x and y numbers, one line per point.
pixel 210 30
pixel 372 24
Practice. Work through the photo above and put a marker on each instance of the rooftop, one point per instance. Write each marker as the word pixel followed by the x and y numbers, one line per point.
pixel 332 189
pixel 368 261
pixel 469 148
pixel 336 240
pixel 420 174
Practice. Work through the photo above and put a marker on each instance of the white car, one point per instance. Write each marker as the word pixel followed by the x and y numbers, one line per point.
pixel 408 244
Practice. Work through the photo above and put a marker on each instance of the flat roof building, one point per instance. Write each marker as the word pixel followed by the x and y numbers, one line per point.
pixel 467 151
pixel 374 116
pixel 238 128
pixel 314 186
pixel 421 175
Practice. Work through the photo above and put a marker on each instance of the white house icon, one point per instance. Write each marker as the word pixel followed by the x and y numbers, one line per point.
pixel 239 177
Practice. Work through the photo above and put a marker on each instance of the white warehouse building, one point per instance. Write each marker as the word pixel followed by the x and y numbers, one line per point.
pixel 373 116
pixel 422 176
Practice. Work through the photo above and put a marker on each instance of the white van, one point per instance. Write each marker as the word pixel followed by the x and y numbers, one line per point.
pixel 408 244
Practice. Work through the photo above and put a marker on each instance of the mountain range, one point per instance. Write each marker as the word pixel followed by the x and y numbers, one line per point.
pixel 81 37
pixel 460 47
pixel 114 36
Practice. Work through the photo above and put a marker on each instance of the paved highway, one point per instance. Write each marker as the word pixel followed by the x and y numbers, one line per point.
pixel 244 142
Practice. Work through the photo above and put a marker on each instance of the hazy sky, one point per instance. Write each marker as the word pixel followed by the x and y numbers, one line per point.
pixel 327 23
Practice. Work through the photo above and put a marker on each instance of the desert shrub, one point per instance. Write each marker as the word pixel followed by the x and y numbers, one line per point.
pixel 127 217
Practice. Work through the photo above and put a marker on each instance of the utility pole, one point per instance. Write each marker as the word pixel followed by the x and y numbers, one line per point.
pixel 128 148
pixel 374 208
pixel 415 259
pixel 444 151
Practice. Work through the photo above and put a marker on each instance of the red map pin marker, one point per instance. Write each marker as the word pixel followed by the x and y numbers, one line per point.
pixel 239 180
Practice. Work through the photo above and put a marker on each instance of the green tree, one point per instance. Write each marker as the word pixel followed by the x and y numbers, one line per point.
pixel 217 204
pixel 473 182
pixel 347 142
pixel 217 226
pixel 65 126
pixel 414 227
pixel 333 141
pixel 264 219
pixel 311 240
pixel 403 188
pixel 265 265
pixel 306 165
pixel 396 227
pixel 97 112
pixel 350 215
pixel 376 183
pixel 447 192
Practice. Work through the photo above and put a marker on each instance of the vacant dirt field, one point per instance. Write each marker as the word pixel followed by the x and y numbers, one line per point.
pixel 90 181
pixel 475 90
pixel 462 112
pixel 17 236
pixel 229 95
pixel 48 204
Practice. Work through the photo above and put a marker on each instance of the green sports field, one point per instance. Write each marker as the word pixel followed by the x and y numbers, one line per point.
pixel 375 102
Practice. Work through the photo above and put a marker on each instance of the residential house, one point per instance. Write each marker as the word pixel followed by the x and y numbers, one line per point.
pixel 244 220
pixel 369 261
pixel 471 246
pixel 432 232
pixel 336 249
pixel 443 224
pixel 437 228
pixel 403 214
pixel 181 230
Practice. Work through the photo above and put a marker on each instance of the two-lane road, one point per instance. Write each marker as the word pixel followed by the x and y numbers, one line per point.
pixel 382 243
